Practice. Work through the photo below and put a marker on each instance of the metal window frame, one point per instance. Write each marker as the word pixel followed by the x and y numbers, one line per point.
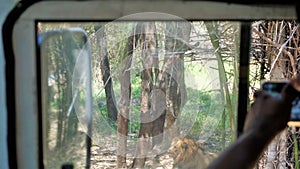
pixel 22 78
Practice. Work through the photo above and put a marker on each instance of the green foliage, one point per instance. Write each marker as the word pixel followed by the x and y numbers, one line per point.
pixel 296 151
pixel 203 99
pixel 134 127
pixel 136 87
pixel 103 125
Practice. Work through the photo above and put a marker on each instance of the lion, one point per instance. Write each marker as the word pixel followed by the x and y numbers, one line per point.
pixel 189 154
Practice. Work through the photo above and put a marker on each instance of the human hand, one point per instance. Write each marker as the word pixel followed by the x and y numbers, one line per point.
pixel 270 115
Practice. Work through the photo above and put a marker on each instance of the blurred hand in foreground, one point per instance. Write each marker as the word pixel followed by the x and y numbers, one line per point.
pixel 268 116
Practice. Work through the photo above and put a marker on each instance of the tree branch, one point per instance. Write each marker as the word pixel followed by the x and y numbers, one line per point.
pixel 281 48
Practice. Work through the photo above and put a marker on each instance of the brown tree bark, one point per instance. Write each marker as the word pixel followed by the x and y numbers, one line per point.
pixel 124 103
pixel 148 53
pixel 106 77
pixel 176 40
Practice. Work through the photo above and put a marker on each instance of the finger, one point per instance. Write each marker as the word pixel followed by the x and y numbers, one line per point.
pixel 261 94
pixel 252 108
pixel 295 82
pixel 259 97
pixel 289 92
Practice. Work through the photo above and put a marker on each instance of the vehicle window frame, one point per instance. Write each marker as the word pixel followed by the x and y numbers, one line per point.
pixel 23 95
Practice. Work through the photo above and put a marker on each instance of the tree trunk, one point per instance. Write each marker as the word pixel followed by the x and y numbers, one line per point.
pixel 71 122
pixel 148 51
pixel 106 77
pixel 213 31
pixel 143 143
pixel 60 92
pixel 158 99
pixel 176 40
pixel 124 103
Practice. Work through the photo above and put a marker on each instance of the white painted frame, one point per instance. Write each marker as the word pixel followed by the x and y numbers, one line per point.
pixel 25 49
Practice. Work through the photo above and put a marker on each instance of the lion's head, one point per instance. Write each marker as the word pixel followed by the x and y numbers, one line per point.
pixel 188 153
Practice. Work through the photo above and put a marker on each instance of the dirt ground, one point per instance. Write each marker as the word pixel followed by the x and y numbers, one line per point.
pixel 104 156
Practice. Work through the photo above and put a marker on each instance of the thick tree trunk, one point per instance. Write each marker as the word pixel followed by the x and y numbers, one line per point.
pixel 144 144
pixel 124 103
pixel 148 51
pixel 158 103
pixel 106 77
pixel 176 40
